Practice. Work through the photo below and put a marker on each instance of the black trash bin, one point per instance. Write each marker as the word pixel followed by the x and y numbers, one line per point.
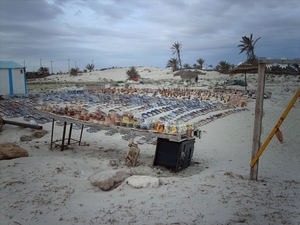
pixel 174 155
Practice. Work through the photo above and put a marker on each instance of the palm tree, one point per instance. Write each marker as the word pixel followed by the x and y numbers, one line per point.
pixel 187 66
pixel 223 67
pixel 74 71
pixel 176 47
pixel 247 46
pixel 132 73
pixel 173 63
pixel 201 62
pixel 43 71
pixel 253 60
pixel 90 67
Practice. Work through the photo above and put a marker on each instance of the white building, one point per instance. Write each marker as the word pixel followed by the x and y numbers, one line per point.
pixel 12 78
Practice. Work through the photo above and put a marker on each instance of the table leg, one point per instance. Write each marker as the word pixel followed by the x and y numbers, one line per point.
pixel 81 134
pixel 52 130
pixel 70 133
pixel 63 137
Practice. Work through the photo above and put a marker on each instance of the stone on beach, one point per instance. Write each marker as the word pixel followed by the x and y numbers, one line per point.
pixel 106 180
pixel 10 151
pixel 25 138
pixel 39 133
pixel 142 181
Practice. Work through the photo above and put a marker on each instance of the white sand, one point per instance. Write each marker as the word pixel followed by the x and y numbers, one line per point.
pixel 51 187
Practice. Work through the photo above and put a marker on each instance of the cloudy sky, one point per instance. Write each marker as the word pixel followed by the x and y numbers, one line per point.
pixel 141 32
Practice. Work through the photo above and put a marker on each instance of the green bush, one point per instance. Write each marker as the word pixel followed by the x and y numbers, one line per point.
pixel 132 73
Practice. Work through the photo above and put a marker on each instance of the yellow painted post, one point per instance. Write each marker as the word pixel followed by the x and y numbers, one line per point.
pixel 275 129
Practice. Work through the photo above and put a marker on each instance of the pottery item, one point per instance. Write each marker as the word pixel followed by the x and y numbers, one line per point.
pixel 78 108
pixel 279 136
pixel 107 121
pixel 130 116
pixel 113 117
pixel 71 112
pixel 98 111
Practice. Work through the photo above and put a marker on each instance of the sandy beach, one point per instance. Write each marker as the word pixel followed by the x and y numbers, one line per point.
pixel 52 186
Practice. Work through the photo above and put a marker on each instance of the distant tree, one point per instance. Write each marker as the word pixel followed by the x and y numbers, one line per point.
pixel 247 45
pixel 253 60
pixel 210 67
pixel 176 47
pixel 173 63
pixel 195 66
pixel 187 66
pixel 43 71
pixel 132 73
pixel 90 67
pixel 200 62
pixel 74 71
pixel 223 67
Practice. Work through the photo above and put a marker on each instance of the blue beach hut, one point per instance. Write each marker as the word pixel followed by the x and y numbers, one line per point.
pixel 12 78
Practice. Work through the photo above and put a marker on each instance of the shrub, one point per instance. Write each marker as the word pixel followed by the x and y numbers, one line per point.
pixel 74 71
pixel 132 73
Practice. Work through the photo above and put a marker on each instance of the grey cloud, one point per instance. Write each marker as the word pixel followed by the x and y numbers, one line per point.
pixel 25 11
pixel 112 31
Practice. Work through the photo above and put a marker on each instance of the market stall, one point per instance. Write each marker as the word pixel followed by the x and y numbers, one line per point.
pixel 170 116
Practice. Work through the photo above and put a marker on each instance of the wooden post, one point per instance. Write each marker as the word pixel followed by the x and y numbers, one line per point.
pixel 245 81
pixel 258 118
pixel 1 122
pixel 52 130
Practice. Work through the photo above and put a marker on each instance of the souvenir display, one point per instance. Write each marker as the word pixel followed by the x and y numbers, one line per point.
pixel 171 112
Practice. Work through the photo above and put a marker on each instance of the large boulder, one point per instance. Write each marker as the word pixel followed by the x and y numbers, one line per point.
pixel 10 151
pixel 106 180
pixel 143 181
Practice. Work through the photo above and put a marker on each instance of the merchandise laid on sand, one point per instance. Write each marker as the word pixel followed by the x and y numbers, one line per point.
pixel 147 153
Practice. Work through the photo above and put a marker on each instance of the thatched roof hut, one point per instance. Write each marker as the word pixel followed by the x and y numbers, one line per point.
pixel 244 68
pixel 188 74
pixel 179 72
